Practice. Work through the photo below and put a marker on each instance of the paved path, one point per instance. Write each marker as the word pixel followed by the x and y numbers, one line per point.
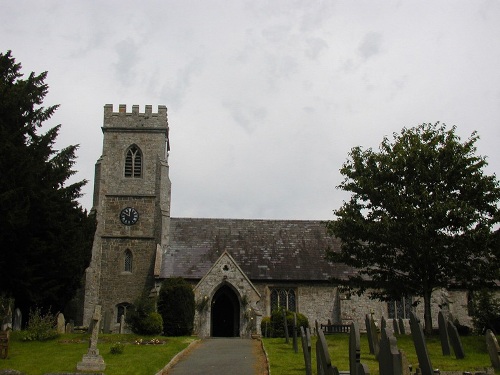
pixel 219 356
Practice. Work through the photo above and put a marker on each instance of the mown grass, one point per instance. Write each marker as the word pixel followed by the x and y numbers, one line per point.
pixel 63 354
pixel 284 361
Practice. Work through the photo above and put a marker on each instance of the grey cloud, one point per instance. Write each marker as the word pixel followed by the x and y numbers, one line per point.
pixel 370 45
pixel 128 58
pixel 246 116
pixel 314 47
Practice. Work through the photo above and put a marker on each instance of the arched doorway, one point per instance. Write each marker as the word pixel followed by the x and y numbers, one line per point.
pixel 225 313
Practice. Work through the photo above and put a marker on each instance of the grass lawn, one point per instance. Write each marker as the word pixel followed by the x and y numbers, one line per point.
pixel 284 361
pixel 63 353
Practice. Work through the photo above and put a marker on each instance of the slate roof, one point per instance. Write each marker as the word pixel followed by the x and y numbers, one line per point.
pixel 277 250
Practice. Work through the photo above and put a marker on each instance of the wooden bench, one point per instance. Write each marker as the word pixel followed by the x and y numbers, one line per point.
pixel 330 329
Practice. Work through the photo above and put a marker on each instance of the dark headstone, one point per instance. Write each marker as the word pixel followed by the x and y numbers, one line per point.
pixel 443 334
pixel 355 365
pixel 295 348
pixel 285 324
pixel 493 349
pixel 375 337
pixel 4 344
pixel 389 358
pixel 455 341
pixel 305 337
pixel 395 326
pixel 383 324
pixel 417 334
pixel 323 363
pixel 369 333
pixel 402 329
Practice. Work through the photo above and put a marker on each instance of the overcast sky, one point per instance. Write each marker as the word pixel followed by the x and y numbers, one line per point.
pixel 265 98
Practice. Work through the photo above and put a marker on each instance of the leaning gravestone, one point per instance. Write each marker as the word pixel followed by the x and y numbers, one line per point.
pixel 389 358
pixel 305 337
pixel 285 326
pixel 295 348
pixel 323 362
pixel 18 320
pixel 383 324
pixel 355 365
pixel 443 334
pixel 493 349
pixel 455 341
pixel 417 334
pixel 375 337
pixel 61 323
pixel 402 328
pixel 395 326
pixel 92 361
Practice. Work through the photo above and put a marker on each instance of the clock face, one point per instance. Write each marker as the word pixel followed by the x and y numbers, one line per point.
pixel 129 216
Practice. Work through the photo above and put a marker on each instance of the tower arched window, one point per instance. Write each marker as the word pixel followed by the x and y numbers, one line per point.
pixel 133 162
pixel 128 261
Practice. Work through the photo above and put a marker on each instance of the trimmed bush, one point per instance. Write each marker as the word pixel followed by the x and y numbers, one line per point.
pixel 276 327
pixel 117 348
pixel 176 306
pixel 142 317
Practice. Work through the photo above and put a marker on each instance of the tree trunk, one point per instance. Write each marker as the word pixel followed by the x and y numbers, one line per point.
pixel 427 313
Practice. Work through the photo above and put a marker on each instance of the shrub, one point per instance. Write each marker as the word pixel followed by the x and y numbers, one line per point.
pixel 176 306
pixel 117 348
pixel 485 311
pixel 276 327
pixel 142 317
pixel 40 326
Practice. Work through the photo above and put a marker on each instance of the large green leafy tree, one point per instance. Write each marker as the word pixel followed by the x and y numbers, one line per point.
pixel 45 235
pixel 420 216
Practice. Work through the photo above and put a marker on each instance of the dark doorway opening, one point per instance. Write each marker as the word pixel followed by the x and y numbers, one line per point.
pixel 225 313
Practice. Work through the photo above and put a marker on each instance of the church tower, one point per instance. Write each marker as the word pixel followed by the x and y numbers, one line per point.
pixel 132 206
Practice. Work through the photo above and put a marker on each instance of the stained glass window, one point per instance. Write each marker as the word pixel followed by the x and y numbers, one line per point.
pixel 283 297
pixel 399 308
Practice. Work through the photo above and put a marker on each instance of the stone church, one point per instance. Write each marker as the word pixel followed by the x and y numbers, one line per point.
pixel 240 269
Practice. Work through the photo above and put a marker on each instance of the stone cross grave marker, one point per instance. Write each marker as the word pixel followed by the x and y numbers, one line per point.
pixel 18 320
pixel 417 333
pixel 61 323
pixel 355 365
pixel 389 358
pixel 395 326
pixel 443 334
pixel 305 336
pixel 493 349
pixel 323 362
pixel 455 341
pixel 92 361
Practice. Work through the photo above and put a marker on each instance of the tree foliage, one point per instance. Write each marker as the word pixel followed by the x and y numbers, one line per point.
pixel 420 216
pixel 46 236
pixel 176 305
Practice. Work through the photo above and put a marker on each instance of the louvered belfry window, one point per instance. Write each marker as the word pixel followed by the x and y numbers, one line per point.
pixel 133 162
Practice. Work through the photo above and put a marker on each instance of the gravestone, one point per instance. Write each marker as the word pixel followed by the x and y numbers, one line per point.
pixel 122 324
pixel 92 361
pixel 4 344
pixel 383 324
pixel 395 326
pixel 323 362
pixel 305 337
pixel 355 365
pixel 402 329
pixel 417 334
pixel 493 349
pixel 369 333
pixel 285 326
pixel 443 334
pixel 70 327
pixel 455 341
pixel 375 337
pixel 106 326
pixel 18 320
pixel 295 348
pixel 61 323
pixel 389 358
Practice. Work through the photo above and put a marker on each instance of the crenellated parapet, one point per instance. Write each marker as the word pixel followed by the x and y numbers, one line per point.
pixel 135 120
